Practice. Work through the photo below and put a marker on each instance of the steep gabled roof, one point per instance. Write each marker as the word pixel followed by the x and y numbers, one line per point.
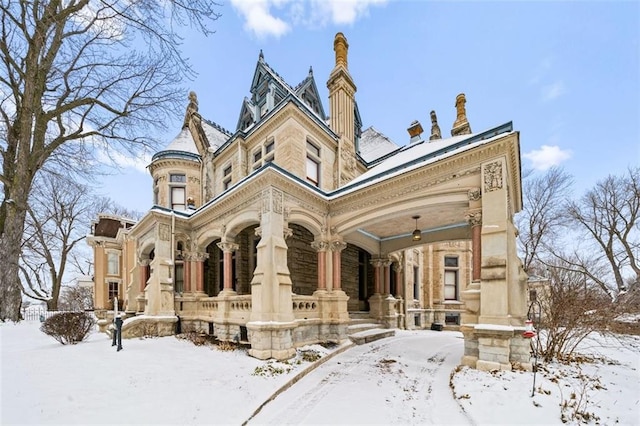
pixel 266 79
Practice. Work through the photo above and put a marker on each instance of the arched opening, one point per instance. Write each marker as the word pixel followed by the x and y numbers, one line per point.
pixel 357 277
pixel 302 261
pixel 244 260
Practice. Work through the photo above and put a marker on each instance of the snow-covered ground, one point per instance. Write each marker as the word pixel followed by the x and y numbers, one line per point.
pixel 400 380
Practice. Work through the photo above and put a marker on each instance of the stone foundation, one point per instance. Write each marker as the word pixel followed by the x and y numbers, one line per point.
pixel 144 325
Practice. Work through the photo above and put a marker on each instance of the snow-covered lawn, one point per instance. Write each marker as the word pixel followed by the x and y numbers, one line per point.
pixel 171 381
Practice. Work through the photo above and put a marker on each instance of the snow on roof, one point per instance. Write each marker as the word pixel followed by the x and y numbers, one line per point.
pixel 216 135
pixel 373 145
pixel 183 142
pixel 421 153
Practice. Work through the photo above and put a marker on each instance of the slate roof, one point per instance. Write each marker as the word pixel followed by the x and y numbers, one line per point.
pixel 216 135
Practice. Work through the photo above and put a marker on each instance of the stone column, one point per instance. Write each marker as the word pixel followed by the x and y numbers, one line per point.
pixel 228 248
pixel 271 322
pixel 375 301
pixel 321 247
pixel 474 218
pixel 197 270
pixel 336 248
pixel 387 277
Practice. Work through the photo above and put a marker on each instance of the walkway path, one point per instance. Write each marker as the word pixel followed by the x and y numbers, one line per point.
pixel 399 380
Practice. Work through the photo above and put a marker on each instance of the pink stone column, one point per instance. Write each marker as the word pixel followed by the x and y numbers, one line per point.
pixel 399 282
pixel 187 275
pixel 199 267
pixel 377 266
pixel 228 248
pixel 321 247
pixel 337 247
pixel 474 218
pixel 387 277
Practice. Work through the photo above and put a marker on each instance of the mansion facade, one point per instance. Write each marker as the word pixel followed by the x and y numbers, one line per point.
pixel 277 233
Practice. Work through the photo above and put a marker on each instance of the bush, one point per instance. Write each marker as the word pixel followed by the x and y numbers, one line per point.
pixel 68 327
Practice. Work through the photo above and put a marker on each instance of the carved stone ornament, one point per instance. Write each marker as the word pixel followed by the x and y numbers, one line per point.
pixel 258 231
pixel 227 246
pixel 287 232
pixel 163 232
pixel 493 176
pixel 266 201
pixel 277 201
pixel 320 245
pixel 475 194
pixel 338 245
pixel 474 217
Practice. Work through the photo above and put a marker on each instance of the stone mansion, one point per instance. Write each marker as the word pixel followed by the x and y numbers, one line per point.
pixel 276 234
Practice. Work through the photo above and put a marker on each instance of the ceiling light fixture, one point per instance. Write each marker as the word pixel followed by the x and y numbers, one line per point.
pixel 416 235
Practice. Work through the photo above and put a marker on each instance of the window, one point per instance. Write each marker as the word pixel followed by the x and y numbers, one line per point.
pixel 257 156
pixel 178 199
pixel 416 283
pixel 313 163
pixel 270 146
pixel 113 264
pixel 451 278
pixel 113 290
pixel 226 181
pixel 179 275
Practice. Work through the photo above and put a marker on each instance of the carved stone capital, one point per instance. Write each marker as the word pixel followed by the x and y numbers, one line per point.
pixel 258 231
pixel 196 256
pixel 338 246
pixel 474 217
pixel 320 245
pixel 227 246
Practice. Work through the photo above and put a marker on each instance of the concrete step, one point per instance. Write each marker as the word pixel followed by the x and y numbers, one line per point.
pixel 367 336
pixel 362 326
pixel 357 315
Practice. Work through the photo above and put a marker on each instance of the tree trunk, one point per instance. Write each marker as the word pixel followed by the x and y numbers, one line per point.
pixel 10 292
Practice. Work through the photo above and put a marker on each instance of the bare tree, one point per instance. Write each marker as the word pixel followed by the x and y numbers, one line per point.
pixel 571 310
pixel 78 75
pixel 608 219
pixel 58 218
pixel 76 298
pixel 542 214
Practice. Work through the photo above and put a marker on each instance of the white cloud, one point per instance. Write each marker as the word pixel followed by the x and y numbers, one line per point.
pixel 341 12
pixel 547 156
pixel 259 19
pixel 553 91
pixel 276 17
pixel 121 160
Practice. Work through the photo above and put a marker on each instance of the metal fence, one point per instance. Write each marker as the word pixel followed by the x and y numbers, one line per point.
pixel 39 315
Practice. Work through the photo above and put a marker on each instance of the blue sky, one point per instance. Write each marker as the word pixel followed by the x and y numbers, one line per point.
pixel 566 73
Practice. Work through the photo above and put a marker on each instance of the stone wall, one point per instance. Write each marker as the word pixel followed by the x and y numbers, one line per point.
pixel 302 260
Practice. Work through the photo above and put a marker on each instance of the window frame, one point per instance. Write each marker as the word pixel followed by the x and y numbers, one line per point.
pixel 313 162
pixel 451 269
pixel 113 256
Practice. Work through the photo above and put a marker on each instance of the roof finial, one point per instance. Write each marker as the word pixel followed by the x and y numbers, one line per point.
pixel 310 70
pixel 191 108
pixel 461 125
pixel 341 47
pixel 435 129
pixel 261 56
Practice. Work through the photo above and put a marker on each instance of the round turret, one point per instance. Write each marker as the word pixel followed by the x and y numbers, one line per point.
pixel 176 174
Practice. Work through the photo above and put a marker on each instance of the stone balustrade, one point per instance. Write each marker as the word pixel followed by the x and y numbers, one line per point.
pixel 305 307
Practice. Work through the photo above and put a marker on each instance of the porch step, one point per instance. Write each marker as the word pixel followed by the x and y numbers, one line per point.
pixel 366 336
pixel 356 327
pixel 360 315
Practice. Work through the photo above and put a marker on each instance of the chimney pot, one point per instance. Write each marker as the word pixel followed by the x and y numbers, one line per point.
pixel 415 130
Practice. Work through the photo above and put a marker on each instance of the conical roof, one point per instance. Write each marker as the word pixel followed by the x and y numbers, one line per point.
pixel 181 146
